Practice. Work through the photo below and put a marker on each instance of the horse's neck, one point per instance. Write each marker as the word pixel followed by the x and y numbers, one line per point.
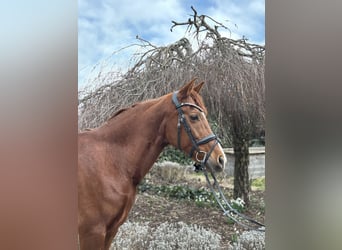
pixel 137 135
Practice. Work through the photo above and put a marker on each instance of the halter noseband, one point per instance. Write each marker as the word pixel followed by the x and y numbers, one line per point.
pixel 195 144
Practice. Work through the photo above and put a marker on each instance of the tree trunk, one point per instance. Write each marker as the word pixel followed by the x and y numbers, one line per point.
pixel 241 176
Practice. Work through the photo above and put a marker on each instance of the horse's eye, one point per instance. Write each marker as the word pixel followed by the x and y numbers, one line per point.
pixel 194 117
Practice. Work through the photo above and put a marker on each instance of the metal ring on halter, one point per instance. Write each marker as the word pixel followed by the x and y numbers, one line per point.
pixel 203 158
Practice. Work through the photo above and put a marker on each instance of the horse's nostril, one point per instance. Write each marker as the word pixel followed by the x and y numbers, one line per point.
pixel 221 161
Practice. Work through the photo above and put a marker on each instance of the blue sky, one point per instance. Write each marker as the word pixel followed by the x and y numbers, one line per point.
pixel 105 26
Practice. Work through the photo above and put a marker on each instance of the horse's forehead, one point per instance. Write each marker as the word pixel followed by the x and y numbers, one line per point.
pixel 197 99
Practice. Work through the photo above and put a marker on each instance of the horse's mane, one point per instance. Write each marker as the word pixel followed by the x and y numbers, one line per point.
pixel 194 95
pixel 121 111
pixel 118 112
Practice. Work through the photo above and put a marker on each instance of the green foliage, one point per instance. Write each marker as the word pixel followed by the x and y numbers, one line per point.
pixel 174 155
pixel 201 196
pixel 258 183
pixel 230 221
pixel 238 205
pixel 234 237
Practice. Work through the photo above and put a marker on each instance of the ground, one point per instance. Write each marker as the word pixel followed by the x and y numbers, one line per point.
pixel 157 209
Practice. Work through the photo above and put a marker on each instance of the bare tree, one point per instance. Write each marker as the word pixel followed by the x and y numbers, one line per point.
pixel 240 68
pixel 234 93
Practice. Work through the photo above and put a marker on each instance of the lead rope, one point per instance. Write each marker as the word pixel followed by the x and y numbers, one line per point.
pixel 228 210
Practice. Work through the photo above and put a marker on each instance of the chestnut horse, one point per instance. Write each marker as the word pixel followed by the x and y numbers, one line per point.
pixel 113 158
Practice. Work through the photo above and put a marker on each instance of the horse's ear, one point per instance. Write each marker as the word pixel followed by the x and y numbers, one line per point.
pixel 186 89
pixel 198 87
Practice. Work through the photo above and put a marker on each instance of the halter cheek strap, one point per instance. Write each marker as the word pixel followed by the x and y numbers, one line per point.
pixel 195 144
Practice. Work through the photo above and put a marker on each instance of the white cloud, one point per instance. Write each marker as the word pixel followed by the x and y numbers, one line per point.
pixel 247 15
pixel 106 26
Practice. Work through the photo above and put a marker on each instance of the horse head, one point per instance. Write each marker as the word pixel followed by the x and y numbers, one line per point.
pixel 188 128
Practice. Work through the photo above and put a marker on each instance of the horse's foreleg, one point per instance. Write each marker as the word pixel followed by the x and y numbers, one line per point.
pixel 94 240
pixel 121 217
pixel 109 238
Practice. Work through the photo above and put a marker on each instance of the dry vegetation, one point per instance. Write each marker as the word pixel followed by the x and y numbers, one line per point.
pixel 177 223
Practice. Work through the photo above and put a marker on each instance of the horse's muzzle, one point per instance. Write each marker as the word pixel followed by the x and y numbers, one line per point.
pixel 217 165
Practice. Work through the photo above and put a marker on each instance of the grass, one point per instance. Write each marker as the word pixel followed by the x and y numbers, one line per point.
pixel 258 184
